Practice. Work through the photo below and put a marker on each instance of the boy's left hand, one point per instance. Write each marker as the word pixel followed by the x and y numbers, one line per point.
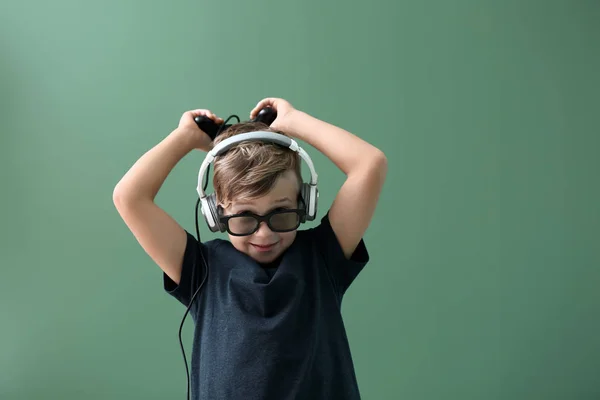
pixel 281 106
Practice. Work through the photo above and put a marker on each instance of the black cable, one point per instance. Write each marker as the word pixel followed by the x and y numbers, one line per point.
pixel 187 371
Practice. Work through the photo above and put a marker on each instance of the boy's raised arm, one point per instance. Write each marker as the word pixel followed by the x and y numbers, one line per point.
pixel 162 238
pixel 365 167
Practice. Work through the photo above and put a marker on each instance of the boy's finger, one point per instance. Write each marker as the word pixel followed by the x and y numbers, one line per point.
pixel 261 104
pixel 198 112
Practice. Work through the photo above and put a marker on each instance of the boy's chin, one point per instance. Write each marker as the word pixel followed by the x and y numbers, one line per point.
pixel 262 256
pixel 264 259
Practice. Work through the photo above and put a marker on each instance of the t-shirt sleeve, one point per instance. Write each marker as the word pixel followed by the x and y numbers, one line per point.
pixel 342 270
pixel 192 271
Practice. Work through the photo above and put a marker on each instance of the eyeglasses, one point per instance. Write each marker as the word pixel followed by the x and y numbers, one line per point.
pixel 278 220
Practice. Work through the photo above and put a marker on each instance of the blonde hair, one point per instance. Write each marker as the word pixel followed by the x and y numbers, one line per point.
pixel 250 169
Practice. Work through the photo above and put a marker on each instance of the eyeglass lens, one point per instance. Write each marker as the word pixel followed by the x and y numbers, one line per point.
pixel 277 222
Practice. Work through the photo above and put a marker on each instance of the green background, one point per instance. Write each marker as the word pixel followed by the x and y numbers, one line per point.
pixel 484 281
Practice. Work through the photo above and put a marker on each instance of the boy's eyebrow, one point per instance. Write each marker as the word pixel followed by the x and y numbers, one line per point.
pixel 281 200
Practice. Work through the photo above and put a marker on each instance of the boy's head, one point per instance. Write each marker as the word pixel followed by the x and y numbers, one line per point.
pixel 258 177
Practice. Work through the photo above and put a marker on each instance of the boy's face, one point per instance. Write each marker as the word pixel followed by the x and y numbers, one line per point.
pixel 264 245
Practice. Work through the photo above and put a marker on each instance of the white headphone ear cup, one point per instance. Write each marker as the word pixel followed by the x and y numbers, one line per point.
pixel 309 198
pixel 303 195
pixel 314 201
pixel 310 194
pixel 209 210
pixel 214 211
pixel 208 218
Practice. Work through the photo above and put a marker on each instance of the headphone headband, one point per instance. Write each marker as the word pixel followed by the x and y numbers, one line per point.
pixel 269 137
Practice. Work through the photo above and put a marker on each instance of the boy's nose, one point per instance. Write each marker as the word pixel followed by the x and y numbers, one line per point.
pixel 263 229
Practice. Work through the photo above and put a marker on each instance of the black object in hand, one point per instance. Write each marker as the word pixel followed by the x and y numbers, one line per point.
pixel 267 115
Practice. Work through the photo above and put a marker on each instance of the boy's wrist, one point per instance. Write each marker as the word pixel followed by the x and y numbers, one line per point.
pixel 184 138
pixel 295 123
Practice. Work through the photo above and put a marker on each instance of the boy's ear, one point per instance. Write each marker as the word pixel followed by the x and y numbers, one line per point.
pixel 222 206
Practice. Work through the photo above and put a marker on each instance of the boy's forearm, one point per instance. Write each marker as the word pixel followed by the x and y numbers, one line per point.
pixel 347 151
pixel 146 176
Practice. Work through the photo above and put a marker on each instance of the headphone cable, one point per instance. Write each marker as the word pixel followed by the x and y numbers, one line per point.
pixel 187 372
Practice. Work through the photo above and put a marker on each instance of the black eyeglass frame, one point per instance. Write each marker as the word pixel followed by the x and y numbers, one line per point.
pixel 301 212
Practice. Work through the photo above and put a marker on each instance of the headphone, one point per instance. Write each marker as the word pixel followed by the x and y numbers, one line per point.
pixel 308 191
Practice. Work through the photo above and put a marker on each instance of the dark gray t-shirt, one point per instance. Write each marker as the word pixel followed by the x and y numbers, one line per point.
pixel 271 332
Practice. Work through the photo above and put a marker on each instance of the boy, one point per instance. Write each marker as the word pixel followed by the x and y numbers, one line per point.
pixel 268 319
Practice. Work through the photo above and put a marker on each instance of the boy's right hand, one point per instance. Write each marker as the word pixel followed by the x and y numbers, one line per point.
pixel 188 126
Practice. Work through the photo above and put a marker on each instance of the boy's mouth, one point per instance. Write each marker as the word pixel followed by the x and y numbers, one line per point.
pixel 263 247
